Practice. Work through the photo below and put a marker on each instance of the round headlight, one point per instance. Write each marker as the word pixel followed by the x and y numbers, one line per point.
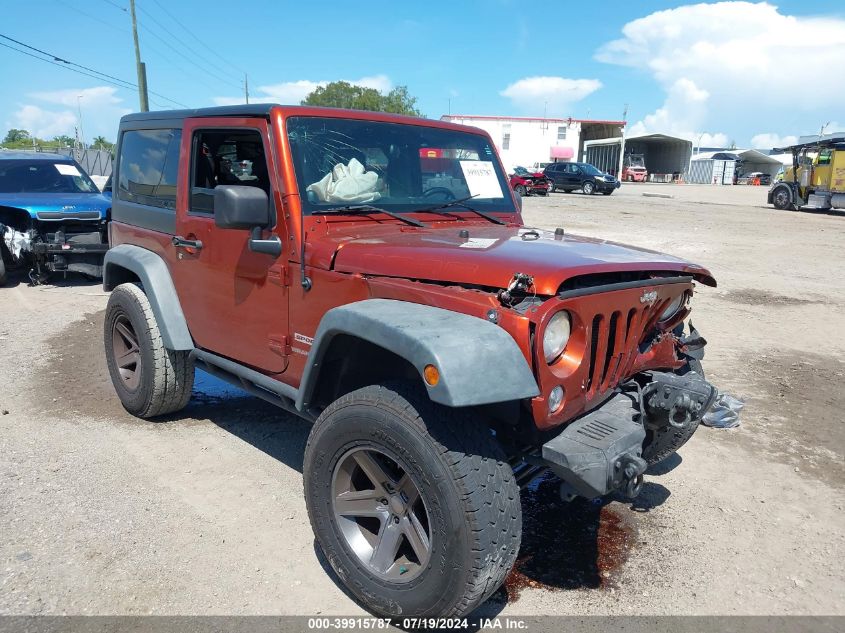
pixel 556 335
pixel 673 308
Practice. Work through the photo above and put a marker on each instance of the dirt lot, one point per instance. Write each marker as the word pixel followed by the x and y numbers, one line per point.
pixel 203 513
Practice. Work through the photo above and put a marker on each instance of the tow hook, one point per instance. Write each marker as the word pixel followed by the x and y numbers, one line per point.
pixel 632 476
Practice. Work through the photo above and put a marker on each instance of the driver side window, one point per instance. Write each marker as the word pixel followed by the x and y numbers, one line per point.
pixel 225 157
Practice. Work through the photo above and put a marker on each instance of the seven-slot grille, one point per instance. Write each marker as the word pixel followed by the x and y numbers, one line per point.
pixel 614 344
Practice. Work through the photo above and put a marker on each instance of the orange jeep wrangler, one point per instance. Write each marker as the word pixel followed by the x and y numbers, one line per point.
pixel 371 273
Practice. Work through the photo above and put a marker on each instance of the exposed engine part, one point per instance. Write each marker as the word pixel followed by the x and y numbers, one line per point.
pixel 692 344
pixel 17 243
pixel 517 289
pixel 676 400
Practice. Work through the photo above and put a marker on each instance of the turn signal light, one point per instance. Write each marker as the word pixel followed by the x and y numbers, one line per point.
pixel 432 375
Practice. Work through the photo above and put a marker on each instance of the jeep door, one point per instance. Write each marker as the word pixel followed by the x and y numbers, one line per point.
pixel 235 300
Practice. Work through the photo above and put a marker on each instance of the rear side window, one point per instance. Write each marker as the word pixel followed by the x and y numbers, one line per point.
pixel 149 163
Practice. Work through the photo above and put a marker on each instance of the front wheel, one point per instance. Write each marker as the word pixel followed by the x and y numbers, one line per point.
pixel 2 269
pixel 782 198
pixel 521 190
pixel 588 188
pixel 412 503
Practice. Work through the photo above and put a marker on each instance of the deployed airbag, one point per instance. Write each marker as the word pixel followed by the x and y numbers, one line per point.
pixel 349 184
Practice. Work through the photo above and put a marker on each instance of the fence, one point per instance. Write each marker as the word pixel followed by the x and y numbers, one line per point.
pixel 96 162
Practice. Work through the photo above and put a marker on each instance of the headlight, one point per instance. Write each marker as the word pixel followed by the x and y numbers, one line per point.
pixel 600 178
pixel 673 308
pixel 556 335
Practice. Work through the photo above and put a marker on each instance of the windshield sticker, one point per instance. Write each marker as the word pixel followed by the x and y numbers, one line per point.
pixel 66 170
pixel 478 242
pixel 481 179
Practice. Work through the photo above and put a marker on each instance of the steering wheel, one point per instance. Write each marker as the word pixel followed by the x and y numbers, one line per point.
pixel 447 193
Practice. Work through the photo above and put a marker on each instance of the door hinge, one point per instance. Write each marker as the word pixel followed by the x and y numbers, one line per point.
pixel 279 275
pixel 280 344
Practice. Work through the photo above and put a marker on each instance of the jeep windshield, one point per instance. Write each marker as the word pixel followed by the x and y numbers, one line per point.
pixel 43 176
pixel 398 167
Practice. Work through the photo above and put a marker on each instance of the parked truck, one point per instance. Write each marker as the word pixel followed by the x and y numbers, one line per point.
pixel 372 274
pixel 816 178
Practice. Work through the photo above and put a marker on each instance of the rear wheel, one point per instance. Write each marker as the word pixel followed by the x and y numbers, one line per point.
pixel 149 379
pixel 588 188
pixel 412 503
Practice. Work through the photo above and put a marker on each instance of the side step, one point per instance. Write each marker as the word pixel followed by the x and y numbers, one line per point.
pixel 251 381
pixel 600 452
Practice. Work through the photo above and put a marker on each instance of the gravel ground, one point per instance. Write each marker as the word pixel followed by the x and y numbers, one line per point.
pixel 203 513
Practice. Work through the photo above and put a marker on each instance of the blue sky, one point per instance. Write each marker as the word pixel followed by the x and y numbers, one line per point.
pixel 719 70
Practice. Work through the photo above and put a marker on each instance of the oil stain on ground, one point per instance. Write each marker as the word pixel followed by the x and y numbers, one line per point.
pixel 757 297
pixel 76 380
pixel 798 403
pixel 581 544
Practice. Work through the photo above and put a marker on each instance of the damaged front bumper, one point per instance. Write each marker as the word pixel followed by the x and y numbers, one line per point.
pixel 603 450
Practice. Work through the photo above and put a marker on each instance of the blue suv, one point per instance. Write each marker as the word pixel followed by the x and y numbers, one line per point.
pixel 52 216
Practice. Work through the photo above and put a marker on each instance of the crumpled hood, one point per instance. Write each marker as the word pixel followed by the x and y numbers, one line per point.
pixel 489 257
pixel 70 203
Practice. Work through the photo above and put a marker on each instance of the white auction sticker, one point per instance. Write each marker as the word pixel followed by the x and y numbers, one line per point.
pixel 66 170
pixel 478 242
pixel 481 178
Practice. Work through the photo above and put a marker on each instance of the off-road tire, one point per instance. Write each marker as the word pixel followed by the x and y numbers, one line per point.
pixel 471 498
pixel 166 376
pixel 588 188
pixel 661 443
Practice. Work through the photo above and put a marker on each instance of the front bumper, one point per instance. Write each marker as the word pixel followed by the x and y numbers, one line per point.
pixel 602 451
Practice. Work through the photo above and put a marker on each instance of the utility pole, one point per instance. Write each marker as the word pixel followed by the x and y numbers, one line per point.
pixel 142 69
pixel 622 143
pixel 246 87
pixel 79 110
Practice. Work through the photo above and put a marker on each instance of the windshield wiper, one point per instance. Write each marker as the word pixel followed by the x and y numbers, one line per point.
pixel 366 209
pixel 461 202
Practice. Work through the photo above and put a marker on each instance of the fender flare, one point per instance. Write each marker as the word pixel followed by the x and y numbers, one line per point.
pixel 152 270
pixel 479 362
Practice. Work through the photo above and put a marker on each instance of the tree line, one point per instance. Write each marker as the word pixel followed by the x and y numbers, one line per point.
pixel 23 139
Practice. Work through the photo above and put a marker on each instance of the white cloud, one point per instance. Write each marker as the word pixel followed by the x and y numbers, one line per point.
pixel 101 111
pixel 555 94
pixel 768 140
pixel 293 92
pixel 734 64
pixel 44 123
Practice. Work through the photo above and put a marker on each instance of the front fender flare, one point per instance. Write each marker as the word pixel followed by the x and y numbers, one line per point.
pixel 158 286
pixel 479 362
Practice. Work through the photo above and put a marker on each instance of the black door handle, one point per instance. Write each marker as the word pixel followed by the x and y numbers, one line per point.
pixel 181 242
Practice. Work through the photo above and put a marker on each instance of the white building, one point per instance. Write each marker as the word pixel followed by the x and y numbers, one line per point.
pixel 529 141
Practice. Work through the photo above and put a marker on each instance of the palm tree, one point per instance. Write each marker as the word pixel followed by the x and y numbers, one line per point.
pixel 100 142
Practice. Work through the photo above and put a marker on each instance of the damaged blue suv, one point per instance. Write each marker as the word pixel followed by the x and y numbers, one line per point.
pixel 52 216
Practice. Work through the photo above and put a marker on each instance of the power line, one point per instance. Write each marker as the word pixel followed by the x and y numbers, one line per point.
pixel 147 45
pixel 188 47
pixel 189 32
pixel 68 65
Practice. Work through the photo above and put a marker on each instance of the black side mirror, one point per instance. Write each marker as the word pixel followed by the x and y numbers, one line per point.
pixel 240 207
